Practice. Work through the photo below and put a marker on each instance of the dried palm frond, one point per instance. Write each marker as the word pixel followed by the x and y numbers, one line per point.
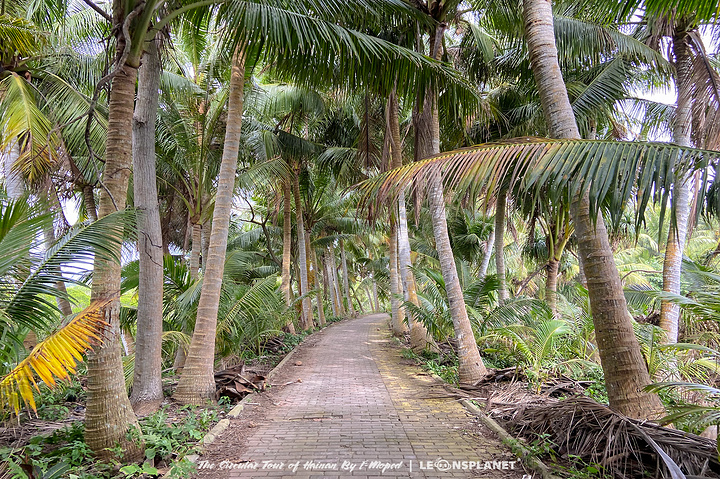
pixel 625 447
pixel 54 357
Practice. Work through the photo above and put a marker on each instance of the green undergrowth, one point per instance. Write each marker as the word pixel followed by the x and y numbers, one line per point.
pixel 169 436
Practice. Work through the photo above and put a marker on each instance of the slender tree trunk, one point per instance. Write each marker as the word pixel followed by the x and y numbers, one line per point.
pixel 195 251
pixel 471 368
pixel 307 316
pixel 336 281
pixel 147 393
pixel 346 280
pixel 500 245
pixel 678 228
pixel 89 200
pixel 552 269
pixel 427 143
pixel 197 383
pixel 376 299
pixel 331 283
pixel 487 255
pixel 205 233
pixel 49 233
pixel 320 303
pixel 622 361
pixel 420 338
pixel 14 185
pixel 109 416
pixel 398 314
pixel 287 249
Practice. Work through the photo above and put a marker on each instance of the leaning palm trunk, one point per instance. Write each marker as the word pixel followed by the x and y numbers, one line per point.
pixel 376 299
pixel 147 393
pixel 427 143
pixel 109 416
pixel 346 280
pixel 622 361
pixel 672 265
pixel 287 246
pixel 306 320
pixel 500 245
pixel 197 383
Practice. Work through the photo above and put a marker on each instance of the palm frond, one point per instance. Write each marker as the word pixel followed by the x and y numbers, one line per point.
pixel 54 357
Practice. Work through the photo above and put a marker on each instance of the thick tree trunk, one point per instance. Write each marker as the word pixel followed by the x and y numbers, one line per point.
pixel 500 245
pixel 672 266
pixel 346 280
pixel 195 251
pixel 287 250
pixel 487 255
pixel 307 316
pixel 147 393
pixel 622 361
pixel 109 416
pixel 197 384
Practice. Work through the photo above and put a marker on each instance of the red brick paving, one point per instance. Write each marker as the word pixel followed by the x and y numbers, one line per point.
pixel 359 409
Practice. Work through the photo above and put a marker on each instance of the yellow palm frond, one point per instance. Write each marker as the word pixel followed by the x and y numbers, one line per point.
pixel 55 357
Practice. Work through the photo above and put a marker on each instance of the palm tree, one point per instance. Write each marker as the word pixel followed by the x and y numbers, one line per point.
pixel 197 382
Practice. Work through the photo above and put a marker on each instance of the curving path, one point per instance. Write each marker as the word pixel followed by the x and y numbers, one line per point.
pixel 360 410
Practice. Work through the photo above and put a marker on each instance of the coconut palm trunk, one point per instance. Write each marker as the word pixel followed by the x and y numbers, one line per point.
pixel 197 384
pixel 147 393
pixel 487 255
pixel 327 262
pixel 622 361
pixel 500 208
pixel 109 416
pixel 287 251
pixel 346 279
pixel 672 265
pixel 196 248
pixel 14 185
pixel 420 339
pixel 306 320
pixel 397 318
pixel 320 302
pixel 427 143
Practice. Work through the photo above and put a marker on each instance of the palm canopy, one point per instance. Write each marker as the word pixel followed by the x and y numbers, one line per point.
pixel 611 171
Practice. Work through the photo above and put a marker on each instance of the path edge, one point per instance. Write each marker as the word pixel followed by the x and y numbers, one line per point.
pixel 514 444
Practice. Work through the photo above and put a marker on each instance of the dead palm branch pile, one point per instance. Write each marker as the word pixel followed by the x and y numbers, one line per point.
pixel 625 447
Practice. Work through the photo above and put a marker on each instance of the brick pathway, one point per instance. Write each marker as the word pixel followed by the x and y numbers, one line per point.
pixel 360 411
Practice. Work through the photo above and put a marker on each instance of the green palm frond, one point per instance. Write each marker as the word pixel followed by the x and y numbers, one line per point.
pixel 612 171
pixel 24 126
pixel 19 37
